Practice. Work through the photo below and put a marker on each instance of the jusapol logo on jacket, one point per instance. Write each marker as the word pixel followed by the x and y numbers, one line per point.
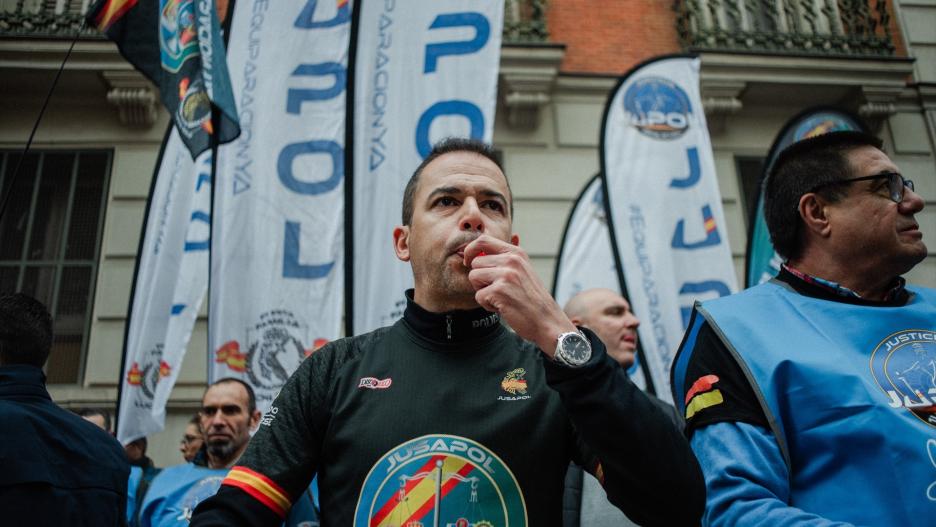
pixel 904 367
pixel 452 479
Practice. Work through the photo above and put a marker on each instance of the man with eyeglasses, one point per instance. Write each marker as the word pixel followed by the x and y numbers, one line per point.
pixel 193 439
pixel 806 398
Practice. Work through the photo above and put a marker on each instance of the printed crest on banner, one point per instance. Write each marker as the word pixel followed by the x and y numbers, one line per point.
pixel 231 356
pixel 657 108
pixel 178 39
pixel 904 367
pixel 274 351
pixel 145 375
pixel 194 112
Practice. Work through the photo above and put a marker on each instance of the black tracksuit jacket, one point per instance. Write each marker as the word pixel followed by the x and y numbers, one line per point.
pixel 379 417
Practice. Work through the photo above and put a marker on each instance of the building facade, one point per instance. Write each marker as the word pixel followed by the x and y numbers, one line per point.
pixel 71 231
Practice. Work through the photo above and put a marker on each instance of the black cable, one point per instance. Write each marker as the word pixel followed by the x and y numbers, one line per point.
pixel 45 104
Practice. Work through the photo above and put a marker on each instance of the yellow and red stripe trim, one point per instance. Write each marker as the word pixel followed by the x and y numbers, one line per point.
pixel 262 488
pixel 702 384
pixel 703 401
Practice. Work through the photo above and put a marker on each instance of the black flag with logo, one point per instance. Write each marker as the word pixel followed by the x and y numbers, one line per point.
pixel 177 44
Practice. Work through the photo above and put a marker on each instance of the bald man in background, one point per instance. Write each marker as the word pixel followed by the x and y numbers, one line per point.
pixel 609 315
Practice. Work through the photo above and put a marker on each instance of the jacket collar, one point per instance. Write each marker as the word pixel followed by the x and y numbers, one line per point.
pixel 451 327
pixel 20 379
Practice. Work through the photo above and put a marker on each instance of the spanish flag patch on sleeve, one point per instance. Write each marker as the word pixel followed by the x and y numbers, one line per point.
pixel 702 395
pixel 262 488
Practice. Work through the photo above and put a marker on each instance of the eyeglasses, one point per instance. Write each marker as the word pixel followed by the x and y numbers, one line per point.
pixel 895 184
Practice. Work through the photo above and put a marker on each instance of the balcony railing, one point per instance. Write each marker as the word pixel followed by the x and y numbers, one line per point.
pixel 43 18
pixel 822 27
pixel 524 20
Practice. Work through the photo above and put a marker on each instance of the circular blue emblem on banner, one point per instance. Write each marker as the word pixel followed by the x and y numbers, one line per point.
pixel 823 123
pixel 904 366
pixel 444 481
pixel 657 108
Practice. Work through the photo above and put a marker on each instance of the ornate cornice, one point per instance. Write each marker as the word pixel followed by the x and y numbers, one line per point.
pixel 875 83
pixel 527 75
pixel 132 95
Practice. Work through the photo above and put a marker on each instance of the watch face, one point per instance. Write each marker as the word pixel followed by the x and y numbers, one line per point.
pixel 575 349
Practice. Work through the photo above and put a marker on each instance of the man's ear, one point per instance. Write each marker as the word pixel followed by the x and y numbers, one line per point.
pixel 254 420
pixel 813 211
pixel 515 239
pixel 401 242
pixel 577 321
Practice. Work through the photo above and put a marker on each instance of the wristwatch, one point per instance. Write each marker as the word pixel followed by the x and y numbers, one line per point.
pixel 572 349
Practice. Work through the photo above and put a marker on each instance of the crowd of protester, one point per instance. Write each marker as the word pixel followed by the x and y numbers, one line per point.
pixel 776 420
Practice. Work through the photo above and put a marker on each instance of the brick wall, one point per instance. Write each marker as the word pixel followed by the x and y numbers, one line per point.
pixel 611 37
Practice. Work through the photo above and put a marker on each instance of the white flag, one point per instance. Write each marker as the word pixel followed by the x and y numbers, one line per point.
pixel 424 70
pixel 278 253
pixel 586 259
pixel 665 205
pixel 169 286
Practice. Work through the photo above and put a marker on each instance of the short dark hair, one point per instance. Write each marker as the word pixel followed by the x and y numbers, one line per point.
pixel 251 396
pixel 25 330
pixel 91 412
pixel 140 442
pixel 447 146
pixel 799 168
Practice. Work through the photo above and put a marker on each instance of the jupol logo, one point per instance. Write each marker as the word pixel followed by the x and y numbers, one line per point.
pixel 657 108
pixel 178 38
pixel 904 367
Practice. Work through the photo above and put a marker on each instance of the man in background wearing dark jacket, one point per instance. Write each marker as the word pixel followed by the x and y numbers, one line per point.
pixel 609 315
pixel 58 469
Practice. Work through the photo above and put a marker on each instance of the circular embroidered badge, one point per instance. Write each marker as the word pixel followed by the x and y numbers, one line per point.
pixel 440 481
pixel 904 366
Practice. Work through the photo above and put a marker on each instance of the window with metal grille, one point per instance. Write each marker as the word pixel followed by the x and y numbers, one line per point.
pixel 50 237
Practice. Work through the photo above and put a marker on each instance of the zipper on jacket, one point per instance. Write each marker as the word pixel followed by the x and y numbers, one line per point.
pixel 448 327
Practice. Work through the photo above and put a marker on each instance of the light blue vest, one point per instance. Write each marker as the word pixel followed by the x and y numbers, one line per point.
pixel 849 392
pixel 133 484
pixel 177 490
